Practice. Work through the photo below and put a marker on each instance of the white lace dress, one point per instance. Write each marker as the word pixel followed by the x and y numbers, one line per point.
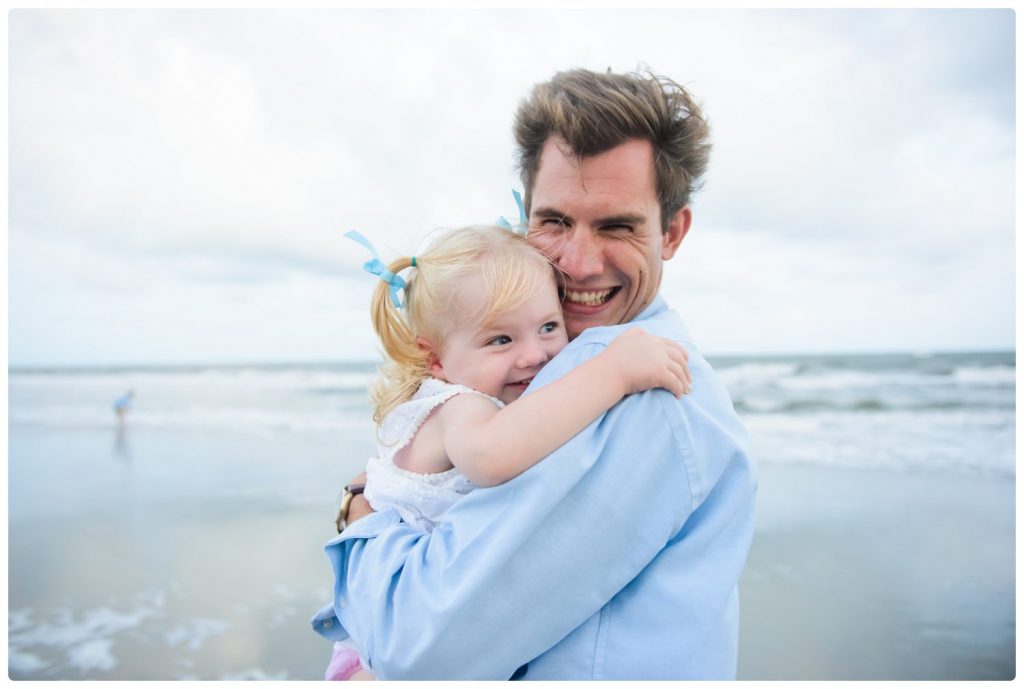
pixel 421 499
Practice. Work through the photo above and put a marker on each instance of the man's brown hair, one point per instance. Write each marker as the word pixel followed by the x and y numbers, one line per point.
pixel 594 112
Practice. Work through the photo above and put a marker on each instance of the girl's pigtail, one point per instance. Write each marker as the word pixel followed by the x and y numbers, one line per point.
pixel 406 363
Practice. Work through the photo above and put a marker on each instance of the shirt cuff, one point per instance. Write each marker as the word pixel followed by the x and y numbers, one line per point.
pixel 326 624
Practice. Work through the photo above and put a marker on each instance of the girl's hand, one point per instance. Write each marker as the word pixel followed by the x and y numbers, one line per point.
pixel 643 361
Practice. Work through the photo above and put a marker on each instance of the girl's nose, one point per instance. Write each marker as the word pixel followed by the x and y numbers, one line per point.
pixel 532 355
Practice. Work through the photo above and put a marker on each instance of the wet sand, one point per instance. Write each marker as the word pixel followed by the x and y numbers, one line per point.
pixel 172 557
pixel 199 556
pixel 858 575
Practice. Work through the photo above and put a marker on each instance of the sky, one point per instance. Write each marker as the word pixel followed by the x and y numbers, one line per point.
pixel 179 181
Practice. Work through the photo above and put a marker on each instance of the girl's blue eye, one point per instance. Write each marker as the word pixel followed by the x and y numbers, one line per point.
pixel 499 340
pixel 549 327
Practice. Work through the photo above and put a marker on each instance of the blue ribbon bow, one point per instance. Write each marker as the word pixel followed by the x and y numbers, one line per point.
pixel 375 266
pixel 523 226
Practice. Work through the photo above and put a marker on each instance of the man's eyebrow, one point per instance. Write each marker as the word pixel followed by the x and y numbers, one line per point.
pixel 549 212
pixel 617 219
pixel 623 219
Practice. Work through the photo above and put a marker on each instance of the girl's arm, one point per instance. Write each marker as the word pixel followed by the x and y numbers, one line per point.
pixel 491 445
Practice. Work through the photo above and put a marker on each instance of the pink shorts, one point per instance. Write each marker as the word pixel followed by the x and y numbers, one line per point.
pixel 345 661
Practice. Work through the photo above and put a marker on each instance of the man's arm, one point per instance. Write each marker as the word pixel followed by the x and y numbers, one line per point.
pixel 514 568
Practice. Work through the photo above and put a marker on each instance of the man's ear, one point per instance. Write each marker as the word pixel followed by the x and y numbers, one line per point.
pixel 673 235
pixel 433 363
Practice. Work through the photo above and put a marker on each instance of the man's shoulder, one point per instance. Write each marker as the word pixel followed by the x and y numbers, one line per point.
pixel 657 319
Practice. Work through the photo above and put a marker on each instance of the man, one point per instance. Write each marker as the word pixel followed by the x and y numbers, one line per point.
pixel 616 557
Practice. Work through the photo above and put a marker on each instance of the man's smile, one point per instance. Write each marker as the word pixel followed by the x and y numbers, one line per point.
pixel 588 298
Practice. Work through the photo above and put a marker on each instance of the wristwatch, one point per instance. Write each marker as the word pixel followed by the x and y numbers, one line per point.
pixel 346 499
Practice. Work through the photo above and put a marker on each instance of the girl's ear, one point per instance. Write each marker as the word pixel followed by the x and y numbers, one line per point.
pixel 433 363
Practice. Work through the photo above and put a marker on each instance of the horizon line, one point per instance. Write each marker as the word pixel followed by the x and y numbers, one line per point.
pixel 137 365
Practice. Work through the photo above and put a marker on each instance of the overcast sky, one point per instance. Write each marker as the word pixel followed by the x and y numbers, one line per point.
pixel 179 181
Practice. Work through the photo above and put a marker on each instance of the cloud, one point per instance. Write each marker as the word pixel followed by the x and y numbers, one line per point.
pixel 206 163
pixel 140 139
pixel 864 143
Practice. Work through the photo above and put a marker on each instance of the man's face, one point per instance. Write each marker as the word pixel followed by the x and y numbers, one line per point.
pixel 600 221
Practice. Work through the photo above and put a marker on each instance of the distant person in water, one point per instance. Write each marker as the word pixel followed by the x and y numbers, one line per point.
pixel 122 404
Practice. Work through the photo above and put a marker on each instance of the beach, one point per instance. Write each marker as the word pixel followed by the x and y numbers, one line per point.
pixel 868 575
pixel 174 558
pixel 189 543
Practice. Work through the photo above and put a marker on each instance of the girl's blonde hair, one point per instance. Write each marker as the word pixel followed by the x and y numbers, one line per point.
pixel 510 269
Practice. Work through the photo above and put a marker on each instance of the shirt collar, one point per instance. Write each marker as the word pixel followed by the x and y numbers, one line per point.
pixel 659 308
pixel 655 308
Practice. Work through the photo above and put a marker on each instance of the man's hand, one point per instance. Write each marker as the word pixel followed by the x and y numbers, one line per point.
pixel 360 506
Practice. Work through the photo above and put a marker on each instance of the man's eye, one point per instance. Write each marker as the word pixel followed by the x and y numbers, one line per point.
pixel 549 327
pixel 499 340
pixel 618 228
pixel 552 222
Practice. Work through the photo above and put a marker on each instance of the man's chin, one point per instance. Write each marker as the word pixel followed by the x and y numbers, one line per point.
pixel 578 319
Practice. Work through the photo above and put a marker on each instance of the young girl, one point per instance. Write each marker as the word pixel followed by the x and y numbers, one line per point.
pixel 481 317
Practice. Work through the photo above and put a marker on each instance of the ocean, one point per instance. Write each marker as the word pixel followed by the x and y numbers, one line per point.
pixel 907 412
pixel 187 543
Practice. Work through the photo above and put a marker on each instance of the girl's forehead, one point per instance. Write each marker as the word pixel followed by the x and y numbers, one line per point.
pixel 470 299
pixel 481 313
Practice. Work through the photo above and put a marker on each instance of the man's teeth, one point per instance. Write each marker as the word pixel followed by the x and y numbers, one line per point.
pixel 588 298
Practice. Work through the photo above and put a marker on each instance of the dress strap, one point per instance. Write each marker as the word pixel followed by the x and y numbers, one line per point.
pixel 401 425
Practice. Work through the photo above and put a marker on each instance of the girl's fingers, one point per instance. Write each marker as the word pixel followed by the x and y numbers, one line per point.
pixel 686 379
pixel 675 387
pixel 674 355
pixel 679 348
pixel 680 385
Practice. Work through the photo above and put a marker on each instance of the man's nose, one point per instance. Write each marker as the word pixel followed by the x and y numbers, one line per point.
pixel 580 256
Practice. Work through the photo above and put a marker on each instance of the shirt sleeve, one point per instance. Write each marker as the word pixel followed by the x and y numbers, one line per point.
pixel 512 569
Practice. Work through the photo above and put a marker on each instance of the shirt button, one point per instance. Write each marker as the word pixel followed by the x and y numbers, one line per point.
pixel 328 624
pixel 342 603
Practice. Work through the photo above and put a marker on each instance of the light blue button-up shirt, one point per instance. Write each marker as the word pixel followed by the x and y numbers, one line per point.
pixel 616 557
